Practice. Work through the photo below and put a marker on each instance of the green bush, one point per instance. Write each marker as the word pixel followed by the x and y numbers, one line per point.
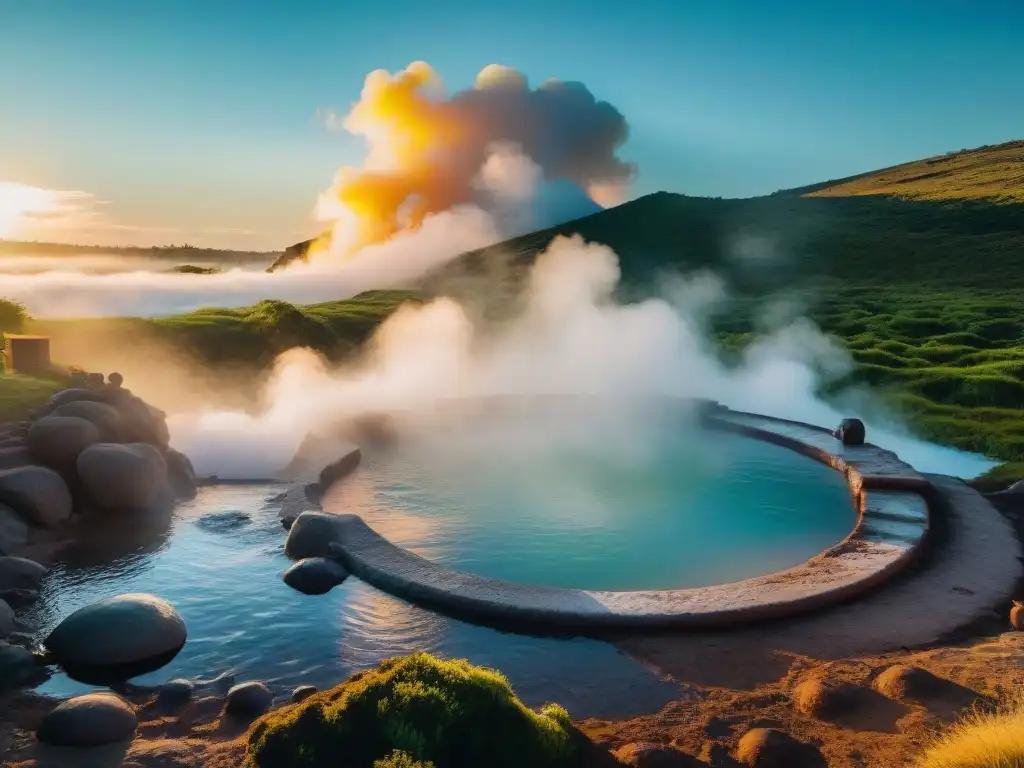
pixel 400 760
pixel 13 316
pixel 448 713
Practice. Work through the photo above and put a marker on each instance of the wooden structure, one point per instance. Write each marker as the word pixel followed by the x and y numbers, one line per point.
pixel 29 355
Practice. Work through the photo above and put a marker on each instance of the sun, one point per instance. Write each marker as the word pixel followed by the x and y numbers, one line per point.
pixel 18 202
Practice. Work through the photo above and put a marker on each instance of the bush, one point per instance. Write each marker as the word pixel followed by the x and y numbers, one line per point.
pixel 994 740
pixel 13 316
pixel 448 713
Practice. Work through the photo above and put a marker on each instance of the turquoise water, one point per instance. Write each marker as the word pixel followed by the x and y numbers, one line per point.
pixel 225 580
pixel 600 503
pixel 597 507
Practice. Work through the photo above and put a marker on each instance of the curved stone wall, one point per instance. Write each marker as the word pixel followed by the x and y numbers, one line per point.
pixel 892 525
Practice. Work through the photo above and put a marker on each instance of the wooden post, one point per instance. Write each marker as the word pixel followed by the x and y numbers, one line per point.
pixel 29 355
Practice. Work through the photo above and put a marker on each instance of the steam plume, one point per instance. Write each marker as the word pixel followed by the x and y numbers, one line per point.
pixel 426 153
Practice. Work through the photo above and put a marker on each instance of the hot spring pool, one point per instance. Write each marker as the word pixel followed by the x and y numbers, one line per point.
pixel 593 508
pixel 593 504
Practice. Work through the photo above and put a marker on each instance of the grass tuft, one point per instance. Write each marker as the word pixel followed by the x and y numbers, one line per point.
pixel 981 740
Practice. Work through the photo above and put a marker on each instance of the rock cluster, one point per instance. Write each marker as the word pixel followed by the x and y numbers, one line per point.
pixel 94 448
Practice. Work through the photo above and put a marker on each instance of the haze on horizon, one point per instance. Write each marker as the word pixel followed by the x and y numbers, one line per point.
pixel 148 124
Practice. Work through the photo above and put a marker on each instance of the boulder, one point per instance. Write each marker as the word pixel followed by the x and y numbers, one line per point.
pixel 15 456
pixel 249 700
pixel 302 693
pixel 1017 615
pixel 311 535
pixel 651 755
pixel 903 682
pixel 19 573
pixel 103 416
pixel 17 666
pixel 117 638
pixel 181 474
pixel 39 495
pixel 118 477
pixel 769 748
pixel 315 575
pixel 19 598
pixel 7 621
pixel 224 522
pixel 826 699
pixel 72 395
pixel 174 694
pixel 13 530
pixel 141 422
pixel 92 720
pixel 57 440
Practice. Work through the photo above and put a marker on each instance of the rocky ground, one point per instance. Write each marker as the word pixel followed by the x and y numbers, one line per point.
pixel 786 705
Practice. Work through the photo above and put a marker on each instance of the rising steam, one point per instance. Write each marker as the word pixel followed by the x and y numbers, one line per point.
pixel 426 152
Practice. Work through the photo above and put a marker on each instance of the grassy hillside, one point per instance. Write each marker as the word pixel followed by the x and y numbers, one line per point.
pixel 919 269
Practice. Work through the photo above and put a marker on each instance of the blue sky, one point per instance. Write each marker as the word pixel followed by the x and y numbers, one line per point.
pixel 197 119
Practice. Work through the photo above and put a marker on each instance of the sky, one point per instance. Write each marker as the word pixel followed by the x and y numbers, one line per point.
pixel 202 121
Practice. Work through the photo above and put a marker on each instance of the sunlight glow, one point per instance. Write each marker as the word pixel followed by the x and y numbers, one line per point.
pixel 20 201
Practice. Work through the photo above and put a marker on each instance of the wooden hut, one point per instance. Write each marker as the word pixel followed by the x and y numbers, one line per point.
pixel 29 355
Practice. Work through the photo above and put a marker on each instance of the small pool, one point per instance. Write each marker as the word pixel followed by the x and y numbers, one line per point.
pixel 609 502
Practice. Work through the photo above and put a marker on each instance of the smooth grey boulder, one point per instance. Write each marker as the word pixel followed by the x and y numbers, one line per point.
pixel 124 636
pixel 15 455
pixel 38 494
pixel 13 530
pixel 103 416
pixel 180 474
pixel 92 720
pixel 19 598
pixel 302 693
pixel 141 422
pixel 17 666
pixel 116 476
pixel 57 440
pixel 174 694
pixel 311 535
pixel 7 621
pixel 315 575
pixel 20 573
pixel 250 699
pixel 71 395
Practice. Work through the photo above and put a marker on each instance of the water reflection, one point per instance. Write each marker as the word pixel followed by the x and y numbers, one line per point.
pixel 243 620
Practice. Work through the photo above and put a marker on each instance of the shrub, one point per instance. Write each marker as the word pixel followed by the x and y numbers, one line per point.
pixel 992 740
pixel 448 713
pixel 13 316
pixel 400 760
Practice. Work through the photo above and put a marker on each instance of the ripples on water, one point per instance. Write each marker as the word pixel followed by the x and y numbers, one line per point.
pixel 594 514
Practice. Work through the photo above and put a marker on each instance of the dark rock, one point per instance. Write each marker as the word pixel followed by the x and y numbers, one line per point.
pixel 7 621
pixel 19 598
pixel 850 432
pixel 39 495
pixel 174 694
pixel 292 253
pixel 123 477
pixel 117 638
pixel 57 440
pixel 22 639
pixel 115 379
pixel 311 535
pixel 92 720
pixel 95 380
pixel 13 530
pixel 249 700
pixel 769 748
pixel 17 666
pixel 15 456
pixel 302 693
pixel 649 755
pixel 288 521
pixel 1017 616
pixel 315 575
pixel 103 416
pixel 142 423
pixel 72 395
pixel 20 573
pixel 223 522
pixel 180 474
